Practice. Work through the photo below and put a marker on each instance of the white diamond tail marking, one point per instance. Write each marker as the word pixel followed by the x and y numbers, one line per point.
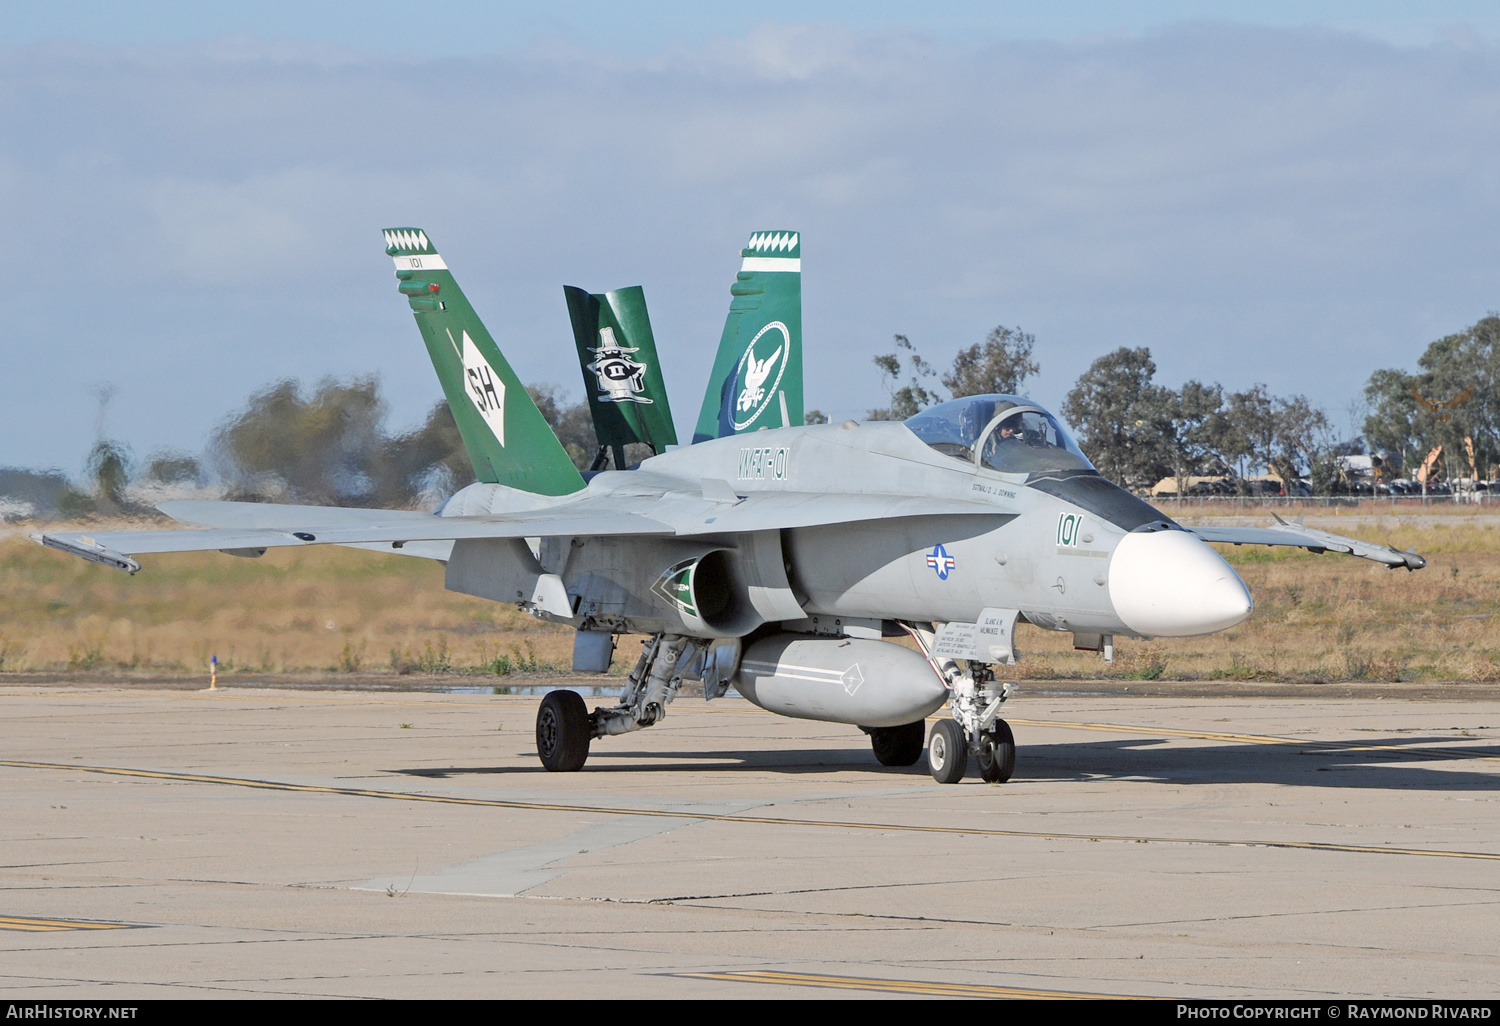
pixel 486 389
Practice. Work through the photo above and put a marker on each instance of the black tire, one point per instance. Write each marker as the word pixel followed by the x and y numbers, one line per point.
pixel 898 746
pixel 562 732
pixel 997 756
pixel 947 752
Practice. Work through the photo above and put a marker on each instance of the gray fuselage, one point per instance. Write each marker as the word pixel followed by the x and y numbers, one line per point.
pixel 1047 544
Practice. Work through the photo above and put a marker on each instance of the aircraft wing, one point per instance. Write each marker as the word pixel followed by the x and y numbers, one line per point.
pixel 716 509
pixel 246 528
pixel 280 516
pixel 1312 539
pixel 114 548
pixel 769 511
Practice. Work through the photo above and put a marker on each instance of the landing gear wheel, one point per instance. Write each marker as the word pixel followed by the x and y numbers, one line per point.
pixel 898 746
pixel 563 732
pixel 947 752
pixel 997 754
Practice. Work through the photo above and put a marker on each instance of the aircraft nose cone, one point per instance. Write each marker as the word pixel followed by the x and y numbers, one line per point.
pixel 1169 584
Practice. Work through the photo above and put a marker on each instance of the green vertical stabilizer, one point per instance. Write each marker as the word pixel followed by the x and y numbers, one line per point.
pixel 508 440
pixel 621 373
pixel 757 377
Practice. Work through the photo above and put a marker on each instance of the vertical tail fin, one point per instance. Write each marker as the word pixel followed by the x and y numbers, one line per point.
pixel 757 377
pixel 507 438
pixel 621 373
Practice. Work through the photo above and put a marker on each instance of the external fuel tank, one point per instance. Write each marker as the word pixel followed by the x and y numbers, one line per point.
pixel 843 680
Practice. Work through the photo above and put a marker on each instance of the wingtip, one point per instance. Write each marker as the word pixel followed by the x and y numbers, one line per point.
pixel 1410 560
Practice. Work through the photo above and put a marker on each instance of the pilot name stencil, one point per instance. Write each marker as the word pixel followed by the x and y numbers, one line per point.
pixel 764 463
pixel 985 488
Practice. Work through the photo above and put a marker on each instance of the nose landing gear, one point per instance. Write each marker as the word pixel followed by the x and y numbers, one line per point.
pixel 947 752
pixel 996 754
pixel 975 729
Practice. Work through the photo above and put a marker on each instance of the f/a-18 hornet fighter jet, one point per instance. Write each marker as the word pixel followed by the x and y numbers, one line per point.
pixel 776 561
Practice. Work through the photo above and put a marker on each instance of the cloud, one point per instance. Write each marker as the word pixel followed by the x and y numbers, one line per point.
pixel 1294 206
pixel 218 232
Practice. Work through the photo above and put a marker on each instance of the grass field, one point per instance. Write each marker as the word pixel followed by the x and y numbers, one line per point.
pixel 336 610
pixel 1331 617
pixel 289 611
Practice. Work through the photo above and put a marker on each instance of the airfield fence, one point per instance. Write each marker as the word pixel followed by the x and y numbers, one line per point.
pixel 1368 502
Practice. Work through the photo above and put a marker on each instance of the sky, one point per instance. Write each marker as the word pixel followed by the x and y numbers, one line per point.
pixel 1276 193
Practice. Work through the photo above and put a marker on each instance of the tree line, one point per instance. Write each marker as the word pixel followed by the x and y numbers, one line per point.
pixel 1458 373
pixel 330 444
pixel 327 445
pixel 1138 432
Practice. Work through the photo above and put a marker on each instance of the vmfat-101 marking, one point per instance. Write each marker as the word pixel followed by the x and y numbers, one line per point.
pixel 766 463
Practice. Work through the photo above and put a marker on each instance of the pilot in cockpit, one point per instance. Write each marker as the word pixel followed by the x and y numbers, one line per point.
pixel 973 417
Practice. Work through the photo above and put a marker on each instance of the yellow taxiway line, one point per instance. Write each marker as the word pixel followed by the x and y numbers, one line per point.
pixel 711 817
pixel 54 925
pixel 928 989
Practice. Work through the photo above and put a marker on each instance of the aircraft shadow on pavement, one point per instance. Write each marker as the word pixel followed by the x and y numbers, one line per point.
pixel 802 760
pixel 1397 762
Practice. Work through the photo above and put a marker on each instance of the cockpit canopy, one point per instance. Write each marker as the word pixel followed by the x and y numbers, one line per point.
pixel 999 432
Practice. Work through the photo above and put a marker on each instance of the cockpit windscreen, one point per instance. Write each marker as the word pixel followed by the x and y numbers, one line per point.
pixel 1013 435
pixel 1028 441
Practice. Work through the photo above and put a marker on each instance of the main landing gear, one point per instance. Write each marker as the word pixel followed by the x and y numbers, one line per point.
pixel 898 746
pixel 975 729
pixel 563 732
pixel 564 726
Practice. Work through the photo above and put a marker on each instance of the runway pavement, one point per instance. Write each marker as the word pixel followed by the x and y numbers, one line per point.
pixel 161 843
